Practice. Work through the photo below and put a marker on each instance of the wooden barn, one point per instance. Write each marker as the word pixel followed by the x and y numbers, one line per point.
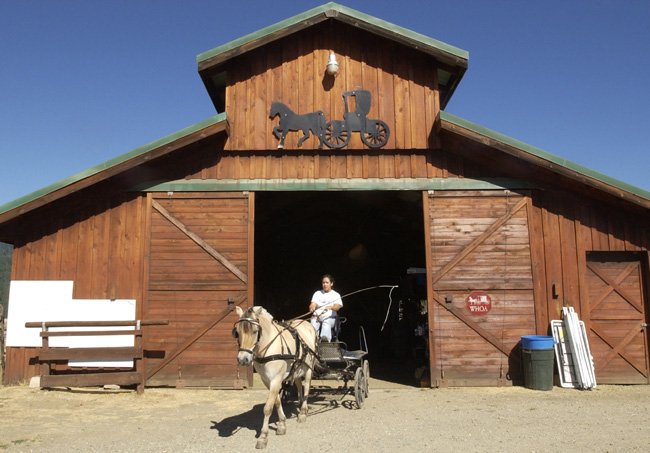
pixel 487 238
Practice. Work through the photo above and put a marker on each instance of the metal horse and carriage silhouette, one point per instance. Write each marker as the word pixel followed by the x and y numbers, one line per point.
pixel 335 133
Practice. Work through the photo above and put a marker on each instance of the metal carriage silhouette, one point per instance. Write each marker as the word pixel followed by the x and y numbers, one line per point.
pixel 335 133
pixel 374 132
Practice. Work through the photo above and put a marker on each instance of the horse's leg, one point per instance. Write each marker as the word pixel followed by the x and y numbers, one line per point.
pixel 274 393
pixel 284 135
pixel 305 136
pixel 300 389
pixel 304 392
pixel 272 401
pixel 282 425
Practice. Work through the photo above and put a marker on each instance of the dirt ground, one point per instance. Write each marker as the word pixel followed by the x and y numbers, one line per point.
pixel 511 419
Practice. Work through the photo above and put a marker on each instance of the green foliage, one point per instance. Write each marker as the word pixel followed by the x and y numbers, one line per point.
pixel 5 274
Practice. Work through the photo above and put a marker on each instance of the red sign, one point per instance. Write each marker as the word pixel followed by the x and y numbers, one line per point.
pixel 478 303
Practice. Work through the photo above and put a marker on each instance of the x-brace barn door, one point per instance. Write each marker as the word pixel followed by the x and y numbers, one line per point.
pixel 617 317
pixel 478 241
pixel 199 269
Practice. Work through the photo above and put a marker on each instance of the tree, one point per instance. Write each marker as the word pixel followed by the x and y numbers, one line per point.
pixel 5 274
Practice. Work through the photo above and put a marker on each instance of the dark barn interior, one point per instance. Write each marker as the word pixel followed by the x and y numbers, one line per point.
pixel 364 239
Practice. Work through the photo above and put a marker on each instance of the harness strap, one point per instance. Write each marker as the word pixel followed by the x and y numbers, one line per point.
pixel 298 358
pixel 273 357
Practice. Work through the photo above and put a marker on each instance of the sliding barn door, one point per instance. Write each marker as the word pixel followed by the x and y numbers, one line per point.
pixel 617 317
pixel 481 286
pixel 199 268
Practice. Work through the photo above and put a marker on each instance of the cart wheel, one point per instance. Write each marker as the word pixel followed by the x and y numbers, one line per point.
pixel 359 385
pixel 377 136
pixel 336 135
pixel 366 375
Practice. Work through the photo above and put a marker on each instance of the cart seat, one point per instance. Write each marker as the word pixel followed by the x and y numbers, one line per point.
pixel 354 355
pixel 331 351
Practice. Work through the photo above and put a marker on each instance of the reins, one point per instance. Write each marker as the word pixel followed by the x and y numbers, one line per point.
pixel 309 313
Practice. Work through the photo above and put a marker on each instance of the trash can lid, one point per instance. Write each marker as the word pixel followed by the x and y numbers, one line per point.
pixel 537 342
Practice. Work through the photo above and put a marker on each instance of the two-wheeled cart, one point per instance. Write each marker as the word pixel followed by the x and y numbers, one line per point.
pixel 337 362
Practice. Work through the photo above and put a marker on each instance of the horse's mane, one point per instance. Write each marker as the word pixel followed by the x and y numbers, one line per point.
pixel 260 311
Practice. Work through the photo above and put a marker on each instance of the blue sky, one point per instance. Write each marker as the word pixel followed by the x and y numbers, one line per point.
pixel 82 82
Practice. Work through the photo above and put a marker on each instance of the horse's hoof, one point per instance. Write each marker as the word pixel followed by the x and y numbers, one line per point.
pixel 260 444
pixel 281 431
pixel 280 146
pixel 302 418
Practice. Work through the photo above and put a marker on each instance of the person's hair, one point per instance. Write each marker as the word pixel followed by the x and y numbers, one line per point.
pixel 327 276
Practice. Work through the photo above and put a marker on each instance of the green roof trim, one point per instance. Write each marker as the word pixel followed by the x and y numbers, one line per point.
pixel 326 184
pixel 216 119
pixel 332 10
pixel 552 158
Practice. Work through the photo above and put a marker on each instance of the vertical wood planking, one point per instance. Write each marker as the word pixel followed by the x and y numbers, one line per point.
pixel 432 106
pixel 370 81
pixel 83 282
pixel 538 266
pixel 434 369
pixel 569 254
pixel 102 248
pixel 418 117
pixel 583 244
pixel 386 109
pixel 70 241
pixel 260 101
pixel 552 252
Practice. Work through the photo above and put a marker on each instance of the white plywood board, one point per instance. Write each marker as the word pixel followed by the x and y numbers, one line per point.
pixel 41 301
pixel 34 301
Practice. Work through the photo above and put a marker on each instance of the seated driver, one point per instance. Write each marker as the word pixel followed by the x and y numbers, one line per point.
pixel 325 304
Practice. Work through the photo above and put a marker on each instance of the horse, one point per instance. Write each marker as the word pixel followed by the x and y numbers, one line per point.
pixel 280 352
pixel 289 121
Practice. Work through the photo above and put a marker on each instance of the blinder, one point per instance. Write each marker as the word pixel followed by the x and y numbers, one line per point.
pixel 252 321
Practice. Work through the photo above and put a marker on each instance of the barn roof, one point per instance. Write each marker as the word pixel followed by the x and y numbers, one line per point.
pixel 544 159
pixel 453 59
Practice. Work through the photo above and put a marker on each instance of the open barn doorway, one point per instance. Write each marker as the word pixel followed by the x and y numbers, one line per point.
pixel 364 239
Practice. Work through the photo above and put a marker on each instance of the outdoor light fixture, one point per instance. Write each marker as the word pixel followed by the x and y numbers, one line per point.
pixel 332 67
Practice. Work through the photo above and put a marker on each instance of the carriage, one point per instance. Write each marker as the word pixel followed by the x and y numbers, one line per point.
pixel 337 362
pixel 374 132
pixel 286 353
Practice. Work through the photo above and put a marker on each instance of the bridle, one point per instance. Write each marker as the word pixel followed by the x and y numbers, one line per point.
pixel 252 321
pixel 301 348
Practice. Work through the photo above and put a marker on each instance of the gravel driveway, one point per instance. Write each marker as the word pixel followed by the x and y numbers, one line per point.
pixel 511 419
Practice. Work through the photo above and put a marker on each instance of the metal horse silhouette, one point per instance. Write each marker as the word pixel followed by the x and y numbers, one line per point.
pixel 289 121
pixel 336 133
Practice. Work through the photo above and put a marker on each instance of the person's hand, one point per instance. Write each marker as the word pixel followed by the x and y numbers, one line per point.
pixel 322 313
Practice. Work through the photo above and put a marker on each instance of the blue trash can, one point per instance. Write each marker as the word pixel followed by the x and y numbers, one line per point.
pixel 538 358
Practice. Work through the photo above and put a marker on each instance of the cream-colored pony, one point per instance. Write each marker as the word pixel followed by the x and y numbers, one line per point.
pixel 280 352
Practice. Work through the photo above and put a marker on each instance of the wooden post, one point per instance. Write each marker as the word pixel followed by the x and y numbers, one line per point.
pixel 137 361
pixel 46 367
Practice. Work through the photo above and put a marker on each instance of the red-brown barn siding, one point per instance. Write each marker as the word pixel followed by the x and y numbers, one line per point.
pixel 403 85
pixel 100 245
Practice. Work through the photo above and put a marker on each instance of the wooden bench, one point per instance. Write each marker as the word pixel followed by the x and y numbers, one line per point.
pixel 100 376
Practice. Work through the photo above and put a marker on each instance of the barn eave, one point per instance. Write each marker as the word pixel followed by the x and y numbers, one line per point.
pixel 86 178
pixel 453 60
pixel 544 159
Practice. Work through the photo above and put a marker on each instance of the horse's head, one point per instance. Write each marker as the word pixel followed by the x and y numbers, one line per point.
pixel 275 110
pixel 278 108
pixel 247 331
